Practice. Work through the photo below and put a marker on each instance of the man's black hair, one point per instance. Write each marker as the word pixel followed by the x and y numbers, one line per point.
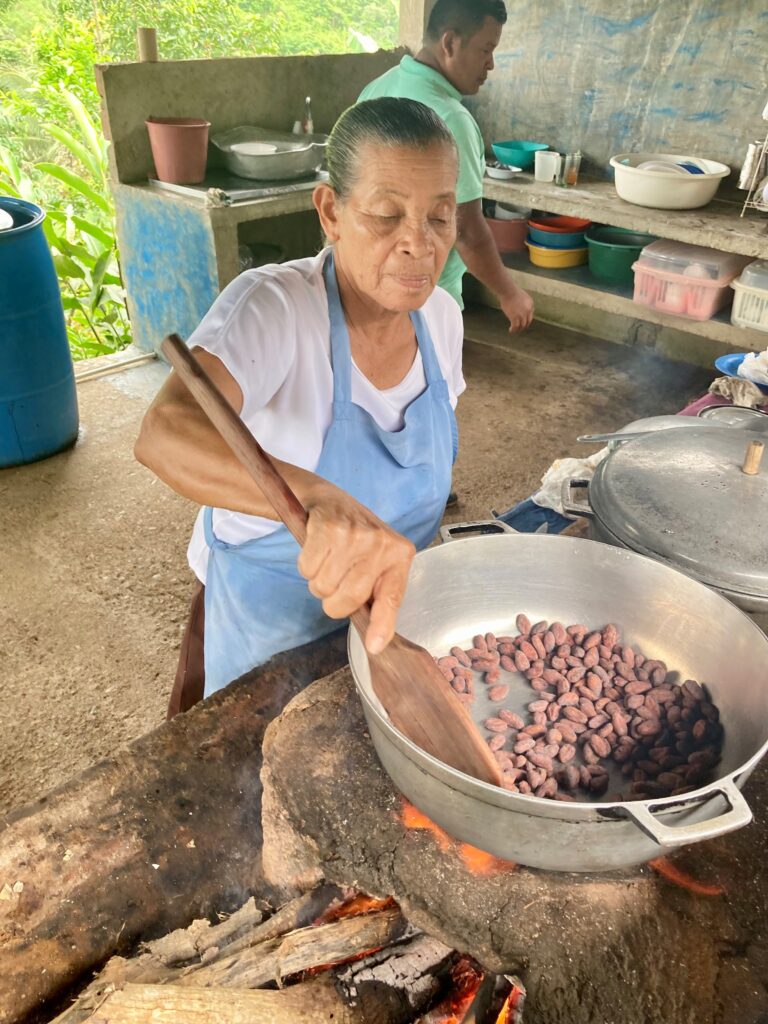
pixel 464 17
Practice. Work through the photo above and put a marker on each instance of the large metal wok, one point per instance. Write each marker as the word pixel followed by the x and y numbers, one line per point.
pixel 480 584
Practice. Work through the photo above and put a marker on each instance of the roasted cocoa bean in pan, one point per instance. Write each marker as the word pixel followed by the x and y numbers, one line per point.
pixel 597 700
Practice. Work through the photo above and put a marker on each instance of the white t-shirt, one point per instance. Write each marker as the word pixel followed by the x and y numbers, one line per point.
pixel 270 327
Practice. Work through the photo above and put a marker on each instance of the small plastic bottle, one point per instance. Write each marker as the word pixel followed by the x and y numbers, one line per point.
pixel 308 124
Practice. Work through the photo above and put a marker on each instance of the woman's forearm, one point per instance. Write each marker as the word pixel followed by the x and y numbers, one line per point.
pixel 179 444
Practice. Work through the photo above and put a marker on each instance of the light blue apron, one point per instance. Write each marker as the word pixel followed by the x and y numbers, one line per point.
pixel 256 601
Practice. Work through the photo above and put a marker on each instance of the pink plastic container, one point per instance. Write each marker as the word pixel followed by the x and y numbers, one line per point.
pixel 691 281
pixel 509 235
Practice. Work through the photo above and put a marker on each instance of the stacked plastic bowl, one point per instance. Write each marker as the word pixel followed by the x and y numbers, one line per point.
pixel 557 242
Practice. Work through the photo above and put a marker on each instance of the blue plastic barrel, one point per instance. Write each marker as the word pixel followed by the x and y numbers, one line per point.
pixel 38 401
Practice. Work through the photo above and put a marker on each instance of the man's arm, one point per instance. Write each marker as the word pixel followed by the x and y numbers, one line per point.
pixel 477 248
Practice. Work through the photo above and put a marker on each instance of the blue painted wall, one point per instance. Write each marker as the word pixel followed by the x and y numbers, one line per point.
pixel 677 76
pixel 168 264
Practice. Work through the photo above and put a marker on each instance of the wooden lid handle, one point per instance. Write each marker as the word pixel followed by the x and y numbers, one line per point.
pixel 753 458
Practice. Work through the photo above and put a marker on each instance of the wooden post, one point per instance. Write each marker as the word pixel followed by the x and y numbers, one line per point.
pixel 413 21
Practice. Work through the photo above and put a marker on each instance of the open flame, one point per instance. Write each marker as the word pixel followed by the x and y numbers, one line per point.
pixel 664 867
pixel 357 904
pixel 511 1011
pixel 477 862
pixel 466 979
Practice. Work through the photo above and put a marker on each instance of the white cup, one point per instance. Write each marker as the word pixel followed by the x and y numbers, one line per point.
pixel 545 166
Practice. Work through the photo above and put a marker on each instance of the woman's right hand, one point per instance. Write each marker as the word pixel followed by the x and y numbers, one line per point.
pixel 350 556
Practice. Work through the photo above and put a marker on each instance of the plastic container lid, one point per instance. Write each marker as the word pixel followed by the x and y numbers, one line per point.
pixel 695 261
pixel 755 275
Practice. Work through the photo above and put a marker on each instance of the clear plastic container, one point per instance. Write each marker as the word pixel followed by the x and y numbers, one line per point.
pixel 688 280
pixel 750 297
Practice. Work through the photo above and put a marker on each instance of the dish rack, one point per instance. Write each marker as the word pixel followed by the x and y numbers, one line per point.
pixel 754 200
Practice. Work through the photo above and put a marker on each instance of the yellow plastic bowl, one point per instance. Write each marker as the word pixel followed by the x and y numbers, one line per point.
pixel 542 256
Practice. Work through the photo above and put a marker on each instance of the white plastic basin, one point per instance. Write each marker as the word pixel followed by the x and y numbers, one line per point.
pixel 666 190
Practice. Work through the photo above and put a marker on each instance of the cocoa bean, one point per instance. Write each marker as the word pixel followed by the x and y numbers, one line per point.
pixel 538 644
pixel 576 674
pixel 591 658
pixel 461 657
pixel 534 730
pixel 650 727
pixel 553 712
pixel 548 639
pixel 524 744
pixel 497 693
pixel 597 720
pixel 537 705
pixel 554 736
pixel 592 640
pixel 600 746
pixel 523 787
pixel 478 642
pixel 540 718
pixel 574 714
pixel 537 684
pixel 508 663
pixel 497 741
pixel 513 720
pixel 589 754
pixel 448 662
pixel 693 689
pixel 567 731
pixel 587 707
pixel 493 724
pixel 459 684
pixel 541 761
pixel 523 624
pixel 637 687
pixel 535 777
pixel 559 633
pixel 539 627
pixel 567 752
pixel 547 789
pixel 569 776
pixel 491 678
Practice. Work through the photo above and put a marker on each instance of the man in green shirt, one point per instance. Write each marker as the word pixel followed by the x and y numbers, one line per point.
pixel 454 61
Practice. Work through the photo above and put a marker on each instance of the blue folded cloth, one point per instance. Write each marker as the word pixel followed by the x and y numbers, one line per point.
pixel 528 517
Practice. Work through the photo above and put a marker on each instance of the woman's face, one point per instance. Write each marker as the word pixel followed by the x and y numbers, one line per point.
pixel 392 234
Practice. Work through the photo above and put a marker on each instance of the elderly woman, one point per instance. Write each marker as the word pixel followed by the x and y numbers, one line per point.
pixel 346 366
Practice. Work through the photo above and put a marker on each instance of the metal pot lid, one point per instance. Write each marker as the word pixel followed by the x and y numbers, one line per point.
pixel 681 495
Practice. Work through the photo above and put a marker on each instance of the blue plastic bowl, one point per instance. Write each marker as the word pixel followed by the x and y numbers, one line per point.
pixel 517 153
pixel 556 239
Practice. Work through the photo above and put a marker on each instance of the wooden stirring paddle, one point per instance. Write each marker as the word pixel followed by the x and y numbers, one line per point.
pixel 405 678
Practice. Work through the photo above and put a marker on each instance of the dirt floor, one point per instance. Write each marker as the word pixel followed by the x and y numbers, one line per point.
pixel 95 583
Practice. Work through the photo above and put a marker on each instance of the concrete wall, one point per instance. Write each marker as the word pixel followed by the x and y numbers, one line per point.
pixel 264 91
pixel 610 76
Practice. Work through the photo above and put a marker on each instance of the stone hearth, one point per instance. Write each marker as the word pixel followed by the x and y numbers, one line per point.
pixel 623 948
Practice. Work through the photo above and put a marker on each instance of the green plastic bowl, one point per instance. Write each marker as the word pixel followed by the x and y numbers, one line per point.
pixel 612 251
pixel 517 152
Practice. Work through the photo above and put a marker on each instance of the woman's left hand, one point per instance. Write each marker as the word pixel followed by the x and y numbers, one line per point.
pixel 350 556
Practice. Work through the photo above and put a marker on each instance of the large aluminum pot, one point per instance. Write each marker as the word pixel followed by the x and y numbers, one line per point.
pixel 480 584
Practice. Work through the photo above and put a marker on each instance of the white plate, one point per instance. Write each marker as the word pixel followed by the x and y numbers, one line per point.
pixel 253 148
pixel 503 173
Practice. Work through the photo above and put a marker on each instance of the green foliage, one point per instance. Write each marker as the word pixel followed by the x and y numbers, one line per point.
pixel 52 151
